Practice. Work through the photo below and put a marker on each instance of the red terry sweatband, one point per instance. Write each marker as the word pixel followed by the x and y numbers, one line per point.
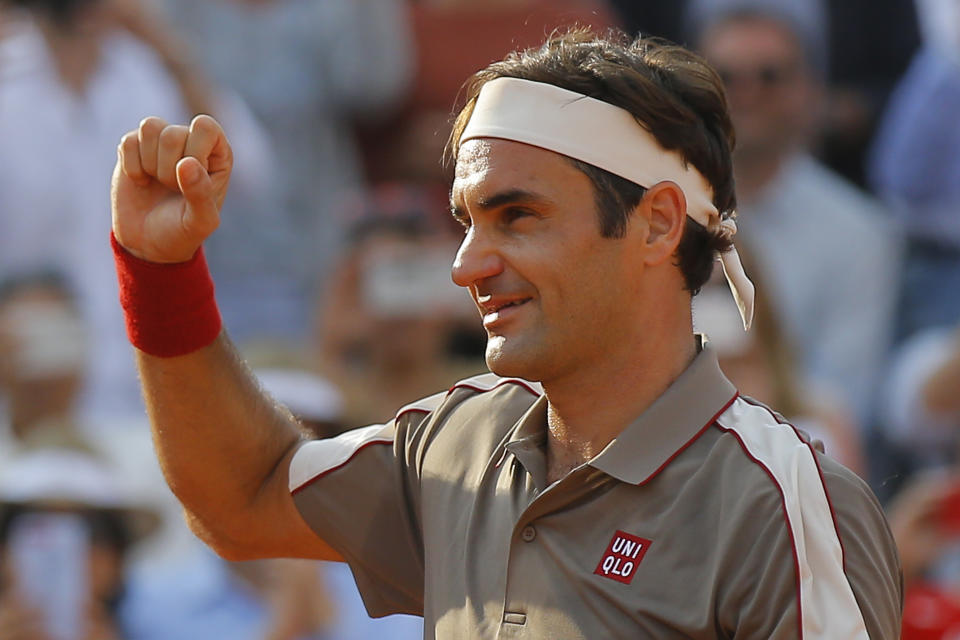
pixel 169 308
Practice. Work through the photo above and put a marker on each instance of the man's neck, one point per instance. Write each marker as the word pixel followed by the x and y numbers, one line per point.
pixel 590 408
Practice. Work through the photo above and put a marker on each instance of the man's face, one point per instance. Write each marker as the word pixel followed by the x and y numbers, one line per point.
pixel 771 93
pixel 553 293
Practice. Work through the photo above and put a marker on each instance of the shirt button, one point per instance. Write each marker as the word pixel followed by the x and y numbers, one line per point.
pixel 528 533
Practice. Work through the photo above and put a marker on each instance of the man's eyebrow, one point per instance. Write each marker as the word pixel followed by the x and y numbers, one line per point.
pixel 511 196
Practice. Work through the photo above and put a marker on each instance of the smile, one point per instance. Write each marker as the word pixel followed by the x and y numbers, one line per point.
pixel 498 312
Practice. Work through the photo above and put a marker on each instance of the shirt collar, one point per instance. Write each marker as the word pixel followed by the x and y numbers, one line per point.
pixel 675 419
pixel 528 441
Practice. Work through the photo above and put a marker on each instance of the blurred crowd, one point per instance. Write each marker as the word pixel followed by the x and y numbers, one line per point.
pixel 332 266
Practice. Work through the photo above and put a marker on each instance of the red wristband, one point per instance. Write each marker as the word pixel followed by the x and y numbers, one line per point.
pixel 169 308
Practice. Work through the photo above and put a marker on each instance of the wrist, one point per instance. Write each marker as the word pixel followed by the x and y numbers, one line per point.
pixel 170 309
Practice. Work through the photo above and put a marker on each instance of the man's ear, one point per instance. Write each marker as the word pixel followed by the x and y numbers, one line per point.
pixel 664 209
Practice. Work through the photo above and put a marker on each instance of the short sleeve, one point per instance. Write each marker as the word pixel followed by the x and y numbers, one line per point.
pixel 772 602
pixel 869 550
pixel 812 554
pixel 360 493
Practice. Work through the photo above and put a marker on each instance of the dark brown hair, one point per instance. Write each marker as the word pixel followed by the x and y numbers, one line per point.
pixel 670 91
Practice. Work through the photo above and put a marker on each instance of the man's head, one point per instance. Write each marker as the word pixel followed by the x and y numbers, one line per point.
pixel 42 348
pixel 771 62
pixel 672 94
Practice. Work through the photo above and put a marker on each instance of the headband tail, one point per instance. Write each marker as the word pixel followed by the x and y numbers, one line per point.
pixel 740 285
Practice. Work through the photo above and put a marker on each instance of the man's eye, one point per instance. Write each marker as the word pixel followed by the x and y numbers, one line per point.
pixel 513 214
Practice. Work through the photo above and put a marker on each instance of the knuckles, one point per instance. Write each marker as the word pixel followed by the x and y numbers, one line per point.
pixel 172 137
pixel 205 124
pixel 152 125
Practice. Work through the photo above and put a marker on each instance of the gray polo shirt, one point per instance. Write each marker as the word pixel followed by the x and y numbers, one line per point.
pixel 707 517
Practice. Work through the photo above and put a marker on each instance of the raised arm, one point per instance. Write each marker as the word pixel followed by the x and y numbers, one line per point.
pixel 223 444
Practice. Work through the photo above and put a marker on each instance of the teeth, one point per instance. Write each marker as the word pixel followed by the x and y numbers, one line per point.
pixel 513 304
pixel 509 304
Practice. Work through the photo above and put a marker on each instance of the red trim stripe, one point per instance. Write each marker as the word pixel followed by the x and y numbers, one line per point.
pixel 414 409
pixel 342 464
pixel 689 442
pixel 823 482
pixel 464 384
pixel 786 517
pixel 354 454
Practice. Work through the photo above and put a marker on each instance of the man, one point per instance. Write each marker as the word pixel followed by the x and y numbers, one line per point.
pixel 825 247
pixel 630 494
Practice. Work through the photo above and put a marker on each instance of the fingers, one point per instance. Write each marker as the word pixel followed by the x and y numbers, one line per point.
pixel 148 136
pixel 170 149
pixel 156 148
pixel 129 158
pixel 205 135
pixel 203 211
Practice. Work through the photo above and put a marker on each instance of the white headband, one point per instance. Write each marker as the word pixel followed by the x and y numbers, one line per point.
pixel 605 136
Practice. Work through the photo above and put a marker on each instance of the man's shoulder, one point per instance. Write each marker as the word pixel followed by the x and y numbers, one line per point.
pixel 486 390
pixel 481 408
pixel 780 498
pixel 785 463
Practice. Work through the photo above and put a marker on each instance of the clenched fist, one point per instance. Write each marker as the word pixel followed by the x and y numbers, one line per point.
pixel 168 187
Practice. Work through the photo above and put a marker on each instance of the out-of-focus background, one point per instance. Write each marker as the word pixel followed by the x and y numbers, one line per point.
pixel 332 263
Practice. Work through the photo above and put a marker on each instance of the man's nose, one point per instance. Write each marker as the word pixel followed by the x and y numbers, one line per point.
pixel 476 259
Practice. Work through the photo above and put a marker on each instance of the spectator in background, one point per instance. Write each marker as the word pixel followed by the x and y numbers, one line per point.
pixel 71 71
pixel 925 520
pixel 454 38
pixel 66 526
pixel 393 319
pixel 309 70
pixel 268 600
pixel 869 43
pixel 921 400
pixel 823 246
pixel 174 591
pixel 915 167
pixel 920 412
pixel 43 350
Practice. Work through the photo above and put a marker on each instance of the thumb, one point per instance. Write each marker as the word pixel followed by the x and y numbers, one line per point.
pixel 202 213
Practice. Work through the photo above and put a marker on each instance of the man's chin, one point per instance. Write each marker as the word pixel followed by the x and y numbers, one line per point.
pixel 509 361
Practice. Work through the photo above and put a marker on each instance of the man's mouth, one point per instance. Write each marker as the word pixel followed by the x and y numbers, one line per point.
pixel 496 311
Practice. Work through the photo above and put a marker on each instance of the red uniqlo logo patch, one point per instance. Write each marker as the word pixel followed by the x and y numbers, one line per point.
pixel 623 555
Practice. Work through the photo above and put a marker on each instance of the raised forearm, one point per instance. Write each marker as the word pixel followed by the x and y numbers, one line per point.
pixel 220 440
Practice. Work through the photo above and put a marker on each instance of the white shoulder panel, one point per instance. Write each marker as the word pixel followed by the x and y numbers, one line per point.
pixel 318 457
pixel 828 607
